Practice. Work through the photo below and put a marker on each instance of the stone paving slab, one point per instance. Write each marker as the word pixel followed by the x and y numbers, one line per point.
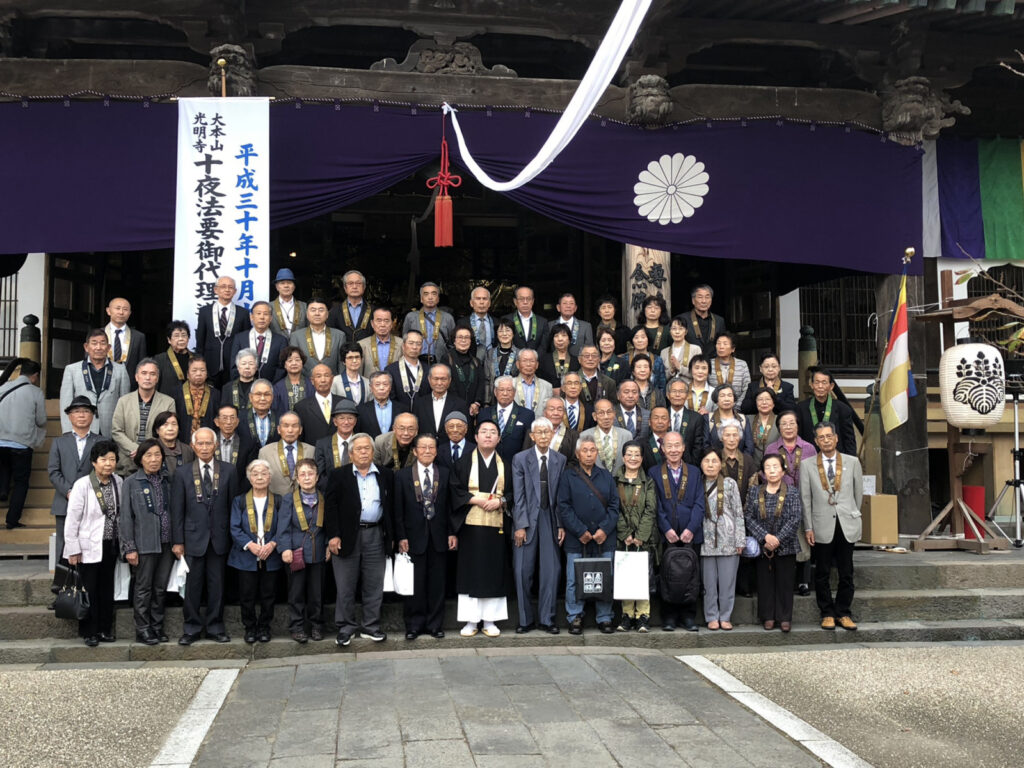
pixel 515 709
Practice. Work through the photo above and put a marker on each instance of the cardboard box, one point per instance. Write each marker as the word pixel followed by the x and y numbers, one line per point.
pixel 880 520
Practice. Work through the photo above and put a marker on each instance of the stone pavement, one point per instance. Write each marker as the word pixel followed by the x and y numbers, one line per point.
pixel 501 707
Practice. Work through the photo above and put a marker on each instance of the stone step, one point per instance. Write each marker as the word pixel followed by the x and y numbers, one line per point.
pixel 69 650
pixel 34 539
pixel 953 570
pixel 36 621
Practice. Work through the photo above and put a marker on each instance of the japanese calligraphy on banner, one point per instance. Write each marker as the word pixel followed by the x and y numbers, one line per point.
pixel 222 214
pixel 645 272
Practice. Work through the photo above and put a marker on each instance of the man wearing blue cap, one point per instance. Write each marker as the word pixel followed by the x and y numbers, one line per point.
pixel 286 313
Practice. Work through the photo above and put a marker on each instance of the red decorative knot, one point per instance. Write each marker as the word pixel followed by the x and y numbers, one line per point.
pixel 443 228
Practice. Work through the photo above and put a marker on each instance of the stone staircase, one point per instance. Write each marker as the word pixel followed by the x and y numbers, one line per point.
pixel 33 539
pixel 920 597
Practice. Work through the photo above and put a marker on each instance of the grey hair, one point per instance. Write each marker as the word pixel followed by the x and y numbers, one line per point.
pixel 378 374
pixel 584 439
pixel 268 382
pixel 542 421
pixel 362 277
pixel 256 463
pixel 704 287
pixel 439 365
pixel 204 429
pixel 730 424
pixel 503 379
pixel 529 351
pixel 244 353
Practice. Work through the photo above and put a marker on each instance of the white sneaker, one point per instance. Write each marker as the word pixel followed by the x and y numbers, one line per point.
pixel 490 629
pixel 470 629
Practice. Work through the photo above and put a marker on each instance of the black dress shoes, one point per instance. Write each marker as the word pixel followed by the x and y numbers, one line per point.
pixel 668 626
pixel 606 627
pixel 316 634
pixel 106 637
pixel 576 626
pixel 524 628
pixel 220 637
pixel 92 641
pixel 187 639
pixel 250 637
pixel 437 634
pixel 551 629
pixel 411 635
pixel 161 635
pixel 689 624
pixel 264 636
pixel 299 637
pixel 147 638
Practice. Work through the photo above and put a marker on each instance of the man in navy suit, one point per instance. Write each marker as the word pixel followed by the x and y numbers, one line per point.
pixel 201 496
pixel 219 323
pixel 681 520
pixel 376 416
pixel 513 420
pixel 433 406
pixel 453 444
pixel 538 534
pixel 424 500
pixel 266 343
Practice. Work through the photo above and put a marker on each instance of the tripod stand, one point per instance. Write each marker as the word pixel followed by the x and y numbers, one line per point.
pixel 1016 483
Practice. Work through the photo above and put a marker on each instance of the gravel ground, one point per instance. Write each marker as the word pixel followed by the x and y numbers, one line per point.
pixel 905 707
pixel 90 717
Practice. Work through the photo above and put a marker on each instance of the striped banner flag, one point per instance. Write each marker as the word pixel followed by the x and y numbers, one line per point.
pixel 897 381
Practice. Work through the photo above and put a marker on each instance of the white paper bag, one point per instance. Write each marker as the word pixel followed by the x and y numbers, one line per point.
pixel 403 574
pixel 630 576
pixel 122 580
pixel 179 574
pixel 389 575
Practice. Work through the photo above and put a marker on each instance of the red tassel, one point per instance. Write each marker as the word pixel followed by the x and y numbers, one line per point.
pixel 443 203
pixel 443 221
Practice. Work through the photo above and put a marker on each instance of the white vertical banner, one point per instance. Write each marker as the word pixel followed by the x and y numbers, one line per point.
pixel 645 272
pixel 222 215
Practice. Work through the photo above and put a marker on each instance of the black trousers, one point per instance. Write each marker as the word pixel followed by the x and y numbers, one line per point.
pixel 838 552
pixel 98 580
pixel 15 471
pixel 306 597
pixel 256 586
pixel 207 570
pixel 424 608
pixel 775 587
pixel 151 576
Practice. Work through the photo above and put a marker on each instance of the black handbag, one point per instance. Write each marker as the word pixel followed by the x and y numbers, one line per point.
pixel 72 599
pixel 593 578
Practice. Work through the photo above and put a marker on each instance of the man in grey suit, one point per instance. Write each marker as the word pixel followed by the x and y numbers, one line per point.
pixel 538 534
pixel 322 345
pixel 581 333
pixel 134 414
pixel 104 382
pixel 831 494
pixel 69 460
pixel 530 391
pixel 608 437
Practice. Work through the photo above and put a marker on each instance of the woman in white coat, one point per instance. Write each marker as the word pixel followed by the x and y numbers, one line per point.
pixel 90 539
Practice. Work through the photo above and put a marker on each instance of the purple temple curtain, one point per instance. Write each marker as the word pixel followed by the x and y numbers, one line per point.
pixel 95 177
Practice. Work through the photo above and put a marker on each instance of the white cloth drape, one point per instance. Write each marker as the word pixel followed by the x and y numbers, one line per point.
pixel 600 73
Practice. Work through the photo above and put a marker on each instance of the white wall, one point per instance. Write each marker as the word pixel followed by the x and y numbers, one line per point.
pixel 32 288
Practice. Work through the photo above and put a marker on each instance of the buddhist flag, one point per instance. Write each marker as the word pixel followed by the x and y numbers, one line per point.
pixel 897 381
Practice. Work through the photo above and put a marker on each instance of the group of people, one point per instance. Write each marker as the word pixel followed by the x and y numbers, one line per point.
pixel 297 434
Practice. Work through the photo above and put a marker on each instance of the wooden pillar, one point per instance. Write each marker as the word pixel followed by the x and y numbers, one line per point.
pixel 645 272
pixel 906 474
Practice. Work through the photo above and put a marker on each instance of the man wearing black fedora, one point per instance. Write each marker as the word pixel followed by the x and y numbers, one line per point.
pixel 69 460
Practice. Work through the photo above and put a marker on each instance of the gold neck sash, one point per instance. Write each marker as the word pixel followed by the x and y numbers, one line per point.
pixel 301 510
pixel 268 513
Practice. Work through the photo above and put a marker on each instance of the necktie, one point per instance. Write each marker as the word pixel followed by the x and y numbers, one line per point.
pixel 606 450
pixel 207 482
pixel 262 430
pixel 117 345
pixel 428 495
pixel 481 335
pixel 455 452
pixel 675 422
pixel 572 417
pixel 223 322
pixel 327 409
pixel 631 423
pixel 501 421
pixel 291 460
pixel 260 343
pixel 831 472
pixel 545 501
pixel 344 452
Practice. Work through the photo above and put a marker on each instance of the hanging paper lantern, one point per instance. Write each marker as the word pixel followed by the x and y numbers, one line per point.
pixel 972 384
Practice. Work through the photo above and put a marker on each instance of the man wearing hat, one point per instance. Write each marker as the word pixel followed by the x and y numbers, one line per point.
pixel 316 411
pixel 453 444
pixel 287 314
pixel 332 451
pixel 69 460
